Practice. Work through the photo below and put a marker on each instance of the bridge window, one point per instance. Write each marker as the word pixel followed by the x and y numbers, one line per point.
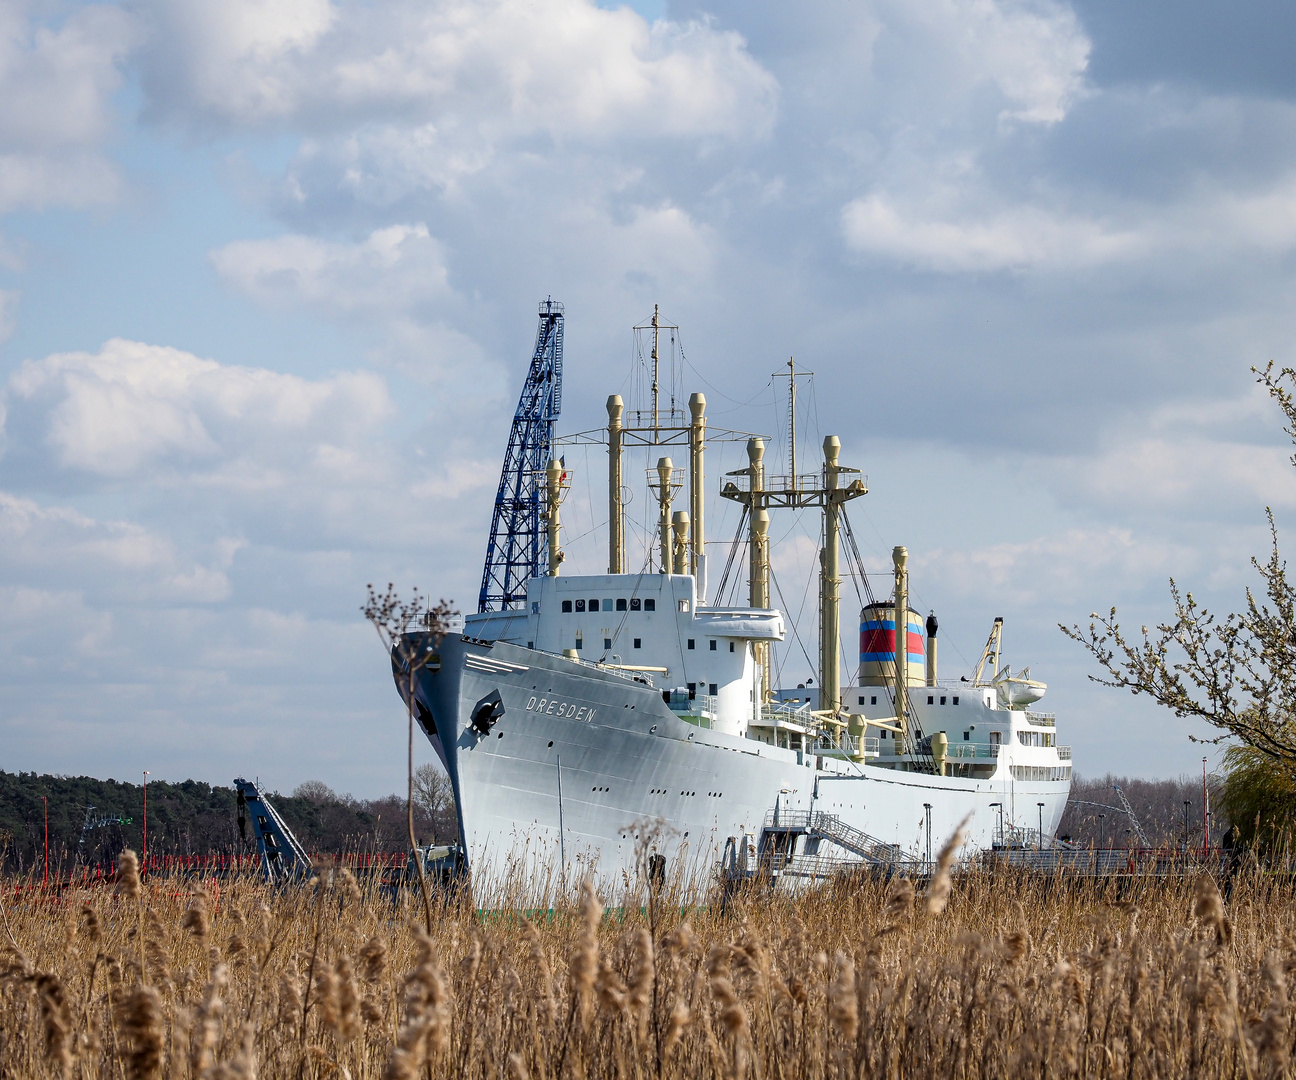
pixel 713 645
pixel 637 643
pixel 621 604
pixel 607 643
pixel 650 604
pixel 634 603
pixel 713 689
pixel 580 642
pixel 566 607
pixel 731 646
pixel 956 699
pixel 683 605
pixel 873 700
pixel 690 643
pixel 943 700
pixel 931 700
pixel 580 605
pixel 607 605
pixel 593 605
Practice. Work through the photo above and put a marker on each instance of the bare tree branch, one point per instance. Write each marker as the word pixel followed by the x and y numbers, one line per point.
pixel 412 631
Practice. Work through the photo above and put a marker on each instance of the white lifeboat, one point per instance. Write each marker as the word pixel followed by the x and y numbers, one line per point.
pixel 1018 690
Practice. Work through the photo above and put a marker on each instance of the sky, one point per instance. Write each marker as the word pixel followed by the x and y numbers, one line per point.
pixel 269 272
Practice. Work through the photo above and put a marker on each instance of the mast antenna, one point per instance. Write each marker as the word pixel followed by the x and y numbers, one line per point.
pixel 792 418
pixel 656 359
pixel 518 547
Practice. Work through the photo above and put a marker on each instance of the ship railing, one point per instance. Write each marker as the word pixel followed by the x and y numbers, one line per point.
pixel 801 482
pixel 972 750
pixel 781 714
pixel 847 744
pixel 1040 719
pixel 1064 753
pixel 700 711
pixel 843 743
pixel 634 675
pixel 675 418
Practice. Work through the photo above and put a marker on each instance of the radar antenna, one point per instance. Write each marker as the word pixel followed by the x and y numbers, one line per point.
pixel 518 548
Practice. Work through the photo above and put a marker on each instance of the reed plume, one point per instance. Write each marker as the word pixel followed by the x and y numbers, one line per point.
pixel 56 1020
pixel 1022 975
pixel 141 1026
pixel 939 890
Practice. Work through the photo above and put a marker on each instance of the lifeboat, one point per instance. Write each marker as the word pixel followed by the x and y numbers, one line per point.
pixel 1016 691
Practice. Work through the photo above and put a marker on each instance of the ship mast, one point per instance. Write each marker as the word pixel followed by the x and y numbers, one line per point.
pixel 653 428
pixel 826 491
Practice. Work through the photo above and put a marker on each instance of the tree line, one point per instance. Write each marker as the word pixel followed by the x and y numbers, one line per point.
pixel 91 820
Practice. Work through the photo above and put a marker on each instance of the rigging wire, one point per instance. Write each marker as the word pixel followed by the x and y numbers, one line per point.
pixel 733 551
pixel 796 633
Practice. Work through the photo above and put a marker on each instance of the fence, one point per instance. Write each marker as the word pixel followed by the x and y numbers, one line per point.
pixel 92 875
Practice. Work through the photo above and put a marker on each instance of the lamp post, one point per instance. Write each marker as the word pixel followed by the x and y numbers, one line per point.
pixel 1205 813
pixel 1041 825
pixel 146 821
pixel 927 810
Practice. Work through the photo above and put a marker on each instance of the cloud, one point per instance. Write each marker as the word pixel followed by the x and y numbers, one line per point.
pixel 56 88
pixel 393 269
pixel 1012 239
pixel 1034 54
pixel 132 405
pixel 114 561
pixel 564 68
pixel 1054 568
pixel 1203 459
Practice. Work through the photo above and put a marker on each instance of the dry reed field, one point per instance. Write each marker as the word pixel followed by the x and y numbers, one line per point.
pixel 986 975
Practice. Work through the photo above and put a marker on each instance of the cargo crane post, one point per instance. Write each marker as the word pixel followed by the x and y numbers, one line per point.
pixel 518 547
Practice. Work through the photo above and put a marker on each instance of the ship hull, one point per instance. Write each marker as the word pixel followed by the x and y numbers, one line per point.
pixel 581 772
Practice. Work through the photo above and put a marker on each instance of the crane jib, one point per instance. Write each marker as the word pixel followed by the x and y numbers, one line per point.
pixel 518 546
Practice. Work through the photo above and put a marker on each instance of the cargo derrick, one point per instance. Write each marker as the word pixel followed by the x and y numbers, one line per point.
pixel 518 547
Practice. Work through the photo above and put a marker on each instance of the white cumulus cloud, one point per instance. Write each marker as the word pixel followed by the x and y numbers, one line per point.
pixel 132 404
pixel 564 67
pixel 390 270
pixel 1014 238
pixel 56 86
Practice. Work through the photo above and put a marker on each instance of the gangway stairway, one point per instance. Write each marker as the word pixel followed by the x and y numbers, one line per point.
pixel 778 844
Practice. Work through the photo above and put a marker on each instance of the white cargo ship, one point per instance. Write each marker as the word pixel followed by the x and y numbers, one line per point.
pixel 619 723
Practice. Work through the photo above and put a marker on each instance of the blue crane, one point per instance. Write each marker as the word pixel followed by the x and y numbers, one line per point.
pixel 518 548
pixel 282 857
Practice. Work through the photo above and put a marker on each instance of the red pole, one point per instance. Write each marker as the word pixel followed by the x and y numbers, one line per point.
pixel 45 876
pixel 146 820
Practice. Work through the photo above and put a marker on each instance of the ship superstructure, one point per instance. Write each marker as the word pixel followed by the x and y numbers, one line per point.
pixel 605 712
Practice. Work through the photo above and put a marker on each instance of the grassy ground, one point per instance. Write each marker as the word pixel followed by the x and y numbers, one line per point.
pixel 1010 977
